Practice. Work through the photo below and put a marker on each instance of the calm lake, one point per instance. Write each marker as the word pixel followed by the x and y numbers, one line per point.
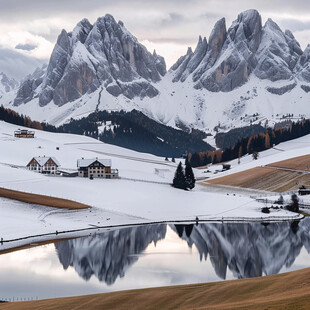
pixel 154 255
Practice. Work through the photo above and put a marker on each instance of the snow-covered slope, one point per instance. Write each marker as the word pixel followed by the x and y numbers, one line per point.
pixel 139 196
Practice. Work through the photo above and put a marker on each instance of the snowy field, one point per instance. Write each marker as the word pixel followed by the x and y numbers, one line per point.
pixel 140 196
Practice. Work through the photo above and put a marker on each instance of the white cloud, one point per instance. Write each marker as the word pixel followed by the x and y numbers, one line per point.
pixel 43 48
pixel 168 26
pixel 16 64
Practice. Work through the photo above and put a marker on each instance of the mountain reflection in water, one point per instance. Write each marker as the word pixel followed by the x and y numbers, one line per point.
pixel 247 250
pixel 108 255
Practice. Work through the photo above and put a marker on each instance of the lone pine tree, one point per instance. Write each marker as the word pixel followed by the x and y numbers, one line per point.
pixel 179 180
pixel 189 175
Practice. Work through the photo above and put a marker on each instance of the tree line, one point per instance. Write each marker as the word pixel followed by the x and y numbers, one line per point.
pixel 249 145
pixel 13 117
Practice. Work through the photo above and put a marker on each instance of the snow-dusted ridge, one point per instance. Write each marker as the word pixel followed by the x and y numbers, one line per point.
pixel 114 202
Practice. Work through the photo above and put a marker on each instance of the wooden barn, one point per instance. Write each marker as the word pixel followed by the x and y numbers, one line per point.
pixel 44 164
pixel 24 133
pixel 96 168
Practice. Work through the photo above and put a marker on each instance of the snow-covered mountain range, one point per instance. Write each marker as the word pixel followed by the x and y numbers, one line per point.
pixel 248 73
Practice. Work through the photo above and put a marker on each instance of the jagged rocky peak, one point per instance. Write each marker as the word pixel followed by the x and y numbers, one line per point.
pixel 105 55
pixel 278 53
pixel 226 62
pixel 189 63
pixel 28 87
pixel 247 47
pixel 81 31
pixel 216 41
pixel 7 84
pixel 247 28
pixel 236 59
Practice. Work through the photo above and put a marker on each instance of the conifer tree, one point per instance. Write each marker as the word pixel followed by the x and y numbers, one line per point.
pixel 179 180
pixel 267 141
pixel 189 175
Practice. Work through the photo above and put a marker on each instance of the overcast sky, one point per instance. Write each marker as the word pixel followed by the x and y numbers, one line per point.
pixel 31 27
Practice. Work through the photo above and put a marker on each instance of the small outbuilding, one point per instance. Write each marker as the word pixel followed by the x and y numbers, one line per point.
pixel 44 164
pixel 96 168
pixel 24 133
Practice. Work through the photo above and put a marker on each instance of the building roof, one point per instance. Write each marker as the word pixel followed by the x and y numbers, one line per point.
pixel 43 160
pixel 82 163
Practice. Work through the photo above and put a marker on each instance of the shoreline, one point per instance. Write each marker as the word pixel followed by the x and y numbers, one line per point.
pixel 40 239
pixel 42 200
pixel 282 291
pixel 72 234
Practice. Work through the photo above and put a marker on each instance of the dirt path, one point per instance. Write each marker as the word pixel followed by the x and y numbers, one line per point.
pixel 283 291
pixel 42 200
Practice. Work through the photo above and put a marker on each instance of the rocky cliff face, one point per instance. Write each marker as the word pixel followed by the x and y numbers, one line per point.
pixel 278 53
pixel 29 87
pixel 7 84
pixel 92 56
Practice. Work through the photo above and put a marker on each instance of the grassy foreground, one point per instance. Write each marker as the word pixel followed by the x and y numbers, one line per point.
pixel 283 291
pixel 42 200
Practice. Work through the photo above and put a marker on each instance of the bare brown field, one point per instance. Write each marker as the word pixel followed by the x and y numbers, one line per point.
pixel 270 178
pixel 283 291
pixel 263 178
pixel 296 163
pixel 42 200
